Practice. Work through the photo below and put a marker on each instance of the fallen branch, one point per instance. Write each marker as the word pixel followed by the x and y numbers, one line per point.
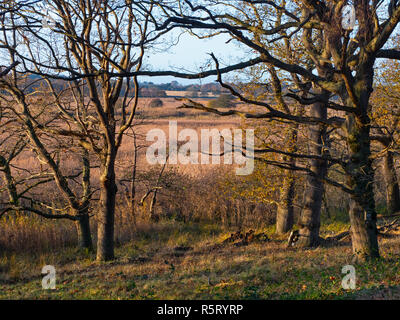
pixel 394 225
pixel 243 239
pixel 338 237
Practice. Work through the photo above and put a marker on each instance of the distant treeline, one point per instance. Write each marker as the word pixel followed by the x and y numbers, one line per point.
pixel 176 86
pixel 150 89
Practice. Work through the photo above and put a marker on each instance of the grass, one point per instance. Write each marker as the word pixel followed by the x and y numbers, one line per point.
pixel 147 266
pixel 150 267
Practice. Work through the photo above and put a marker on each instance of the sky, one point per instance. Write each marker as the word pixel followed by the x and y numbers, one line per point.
pixel 190 55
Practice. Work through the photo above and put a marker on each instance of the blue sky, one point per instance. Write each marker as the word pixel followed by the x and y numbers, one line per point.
pixel 190 55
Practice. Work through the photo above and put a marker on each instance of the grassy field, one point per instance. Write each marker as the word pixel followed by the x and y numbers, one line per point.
pixel 173 260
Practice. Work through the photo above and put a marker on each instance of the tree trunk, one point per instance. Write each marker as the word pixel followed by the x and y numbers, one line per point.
pixel 310 219
pixel 285 210
pixel 105 220
pixel 363 234
pixel 9 181
pixel 361 181
pixel 84 234
pixel 153 216
pixel 392 185
pixel 133 183
pixel 83 224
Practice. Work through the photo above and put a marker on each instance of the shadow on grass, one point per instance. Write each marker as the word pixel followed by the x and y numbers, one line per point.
pixel 376 293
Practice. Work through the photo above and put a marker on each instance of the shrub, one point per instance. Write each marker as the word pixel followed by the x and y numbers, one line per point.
pixel 223 101
pixel 156 103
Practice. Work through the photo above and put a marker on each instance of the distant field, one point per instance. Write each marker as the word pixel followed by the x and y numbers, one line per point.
pixel 170 110
pixel 172 93
pixel 149 118
pixel 126 152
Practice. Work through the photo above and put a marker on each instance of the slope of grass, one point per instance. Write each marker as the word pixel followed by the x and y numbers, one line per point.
pixel 152 267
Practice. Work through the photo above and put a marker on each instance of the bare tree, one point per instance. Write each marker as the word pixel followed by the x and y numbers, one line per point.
pixel 27 128
pixel 105 53
pixel 101 43
pixel 99 46
pixel 22 184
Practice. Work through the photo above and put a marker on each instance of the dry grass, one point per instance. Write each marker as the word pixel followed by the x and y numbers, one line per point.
pixel 151 267
pixel 197 210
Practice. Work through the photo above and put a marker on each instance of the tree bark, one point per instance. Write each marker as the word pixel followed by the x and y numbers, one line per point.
pixel 310 219
pixel 285 210
pixel 361 181
pixel 84 234
pixel 392 185
pixel 105 220
pixel 9 181
pixel 83 224
pixel 153 216
pixel 133 183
